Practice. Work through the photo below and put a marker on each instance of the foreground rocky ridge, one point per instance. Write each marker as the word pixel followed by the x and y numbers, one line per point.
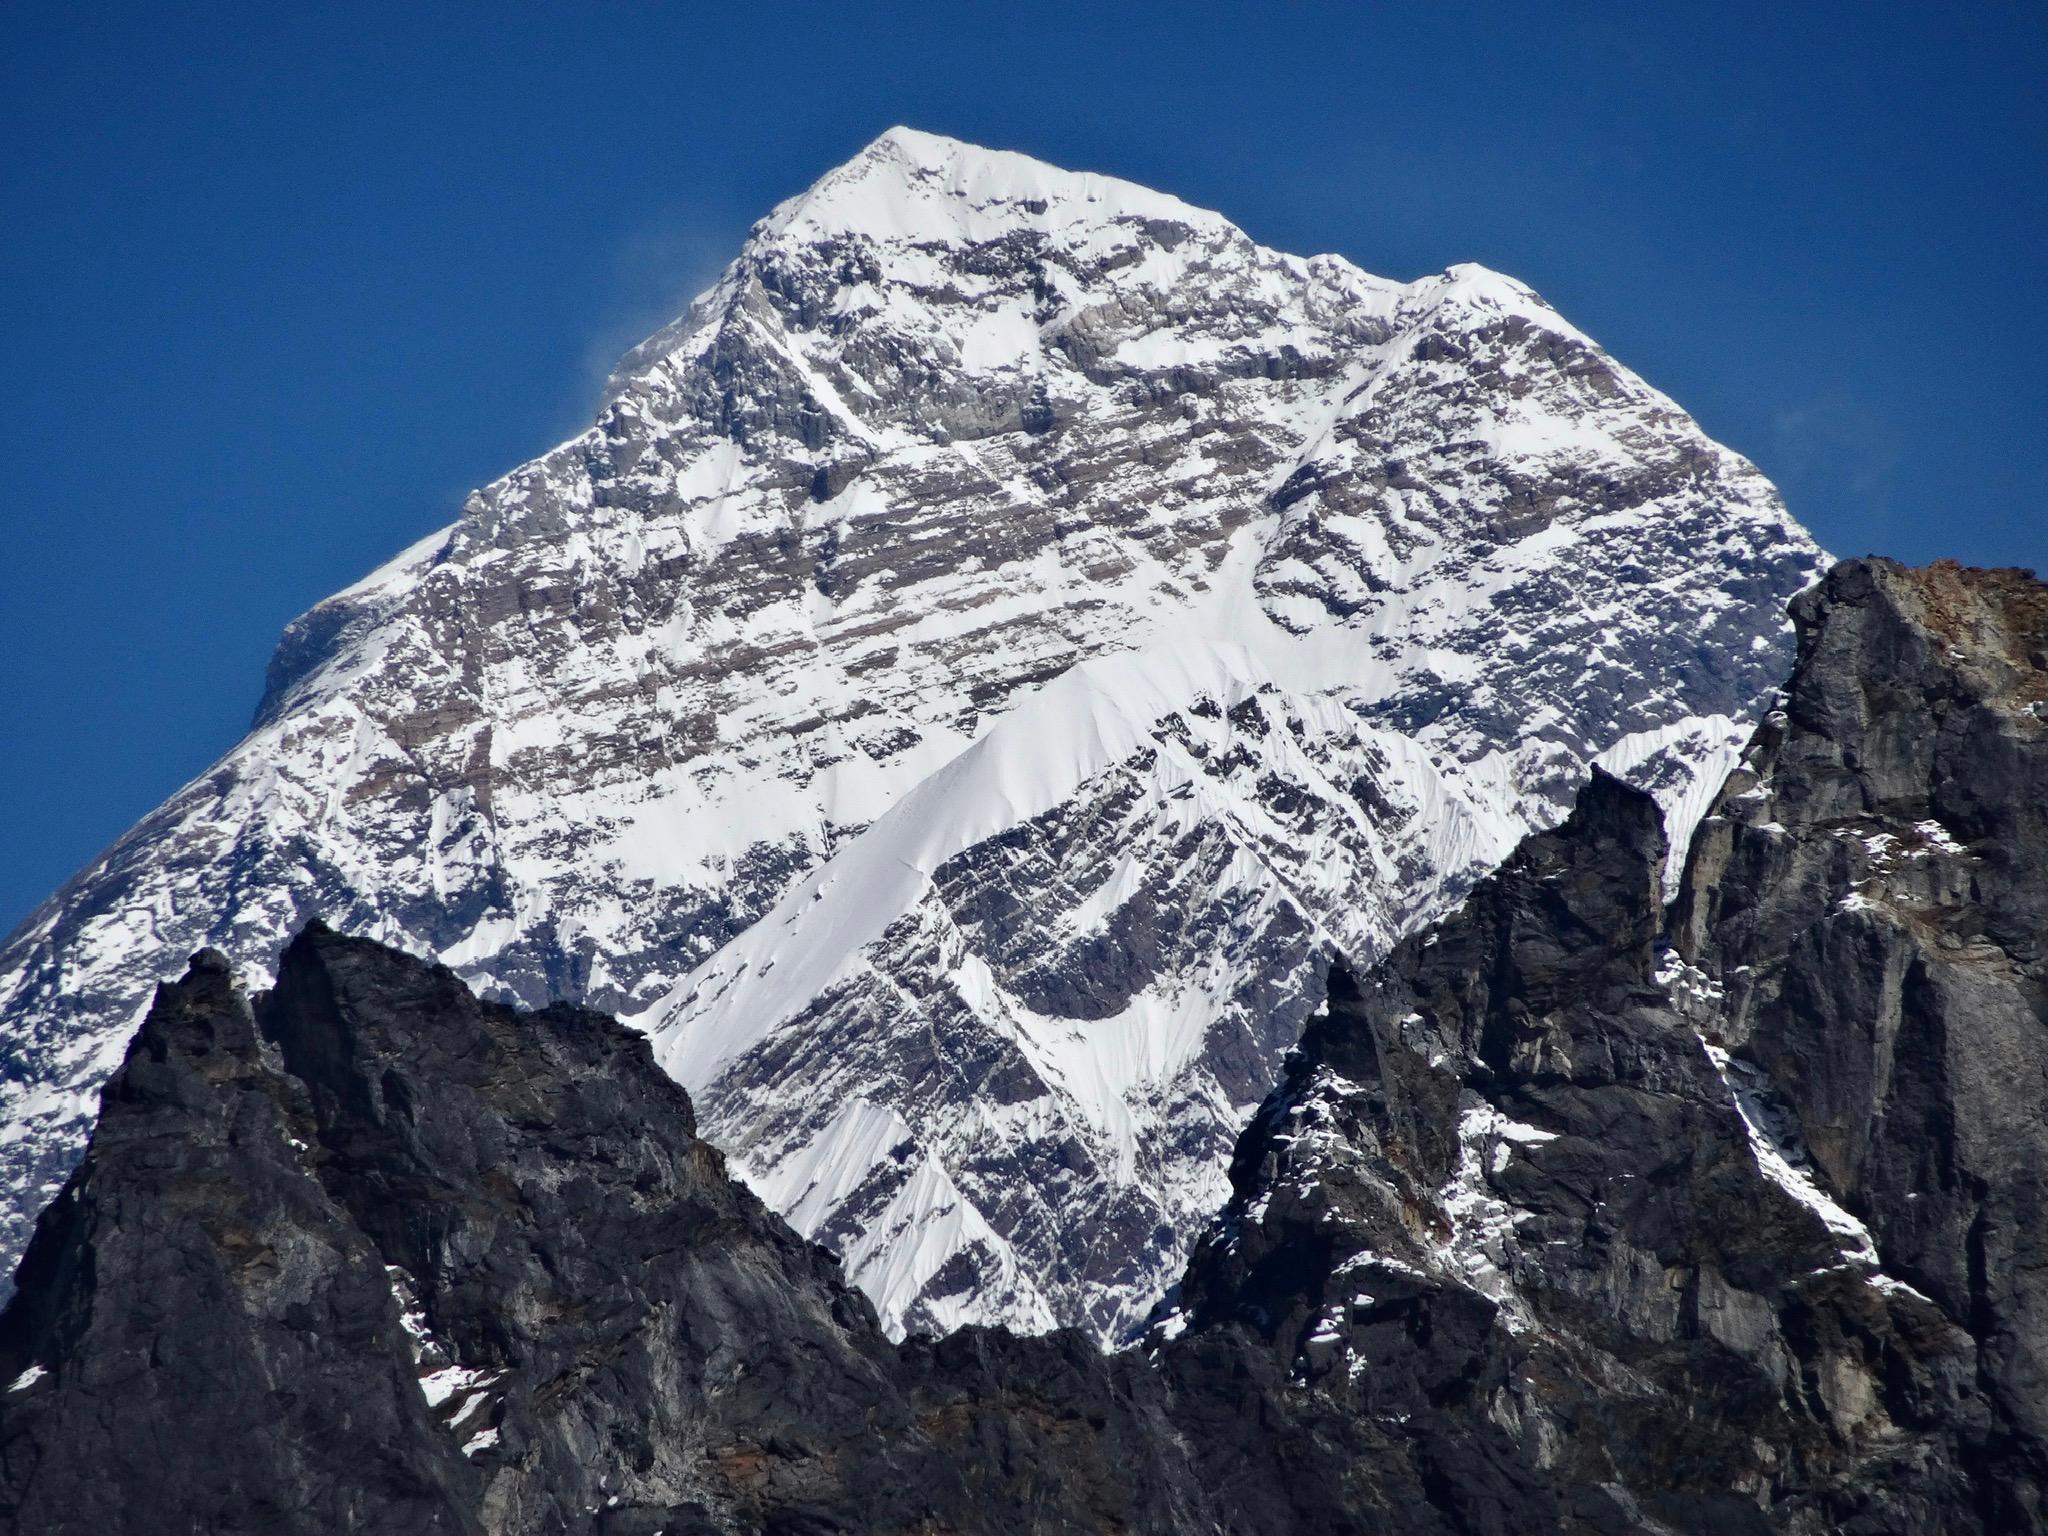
pixel 1577 1214
pixel 1739 1218
pixel 378 1256
pixel 1334 586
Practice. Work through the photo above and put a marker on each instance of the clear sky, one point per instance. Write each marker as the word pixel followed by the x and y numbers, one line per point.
pixel 280 282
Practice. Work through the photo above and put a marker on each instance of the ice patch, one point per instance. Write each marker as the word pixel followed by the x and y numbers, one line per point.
pixel 1775 1148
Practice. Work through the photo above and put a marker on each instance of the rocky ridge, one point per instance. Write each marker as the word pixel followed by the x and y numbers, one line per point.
pixel 1332 586
pixel 1731 1215
pixel 1578 1213
pixel 374 1256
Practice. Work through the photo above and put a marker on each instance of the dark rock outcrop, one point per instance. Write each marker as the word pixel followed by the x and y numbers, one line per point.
pixel 201 1339
pixel 371 1255
pixel 1580 1213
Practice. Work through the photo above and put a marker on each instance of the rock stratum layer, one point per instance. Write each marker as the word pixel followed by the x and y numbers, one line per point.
pixel 1578 1213
pixel 983 661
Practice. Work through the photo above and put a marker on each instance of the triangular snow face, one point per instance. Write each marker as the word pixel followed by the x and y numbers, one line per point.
pixel 1364 574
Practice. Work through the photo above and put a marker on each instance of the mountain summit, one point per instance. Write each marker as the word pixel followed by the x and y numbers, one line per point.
pixel 984 661
pixel 921 187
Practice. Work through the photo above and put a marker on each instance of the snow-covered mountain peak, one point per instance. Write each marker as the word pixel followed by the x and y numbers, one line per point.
pixel 977 667
pixel 921 187
pixel 924 262
pixel 1481 289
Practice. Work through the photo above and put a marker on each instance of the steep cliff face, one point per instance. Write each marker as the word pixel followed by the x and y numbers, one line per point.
pixel 1578 1213
pixel 1738 1223
pixel 1867 911
pixel 1342 582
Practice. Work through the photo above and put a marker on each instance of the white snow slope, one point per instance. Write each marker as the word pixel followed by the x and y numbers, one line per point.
pixel 983 661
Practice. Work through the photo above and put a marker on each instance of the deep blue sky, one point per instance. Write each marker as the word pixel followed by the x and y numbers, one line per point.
pixel 279 283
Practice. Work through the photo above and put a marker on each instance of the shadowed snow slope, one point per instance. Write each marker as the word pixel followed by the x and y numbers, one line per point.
pixel 983 661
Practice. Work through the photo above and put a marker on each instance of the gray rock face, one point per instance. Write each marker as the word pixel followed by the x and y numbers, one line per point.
pixel 201 1339
pixel 1869 903
pixel 954 432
